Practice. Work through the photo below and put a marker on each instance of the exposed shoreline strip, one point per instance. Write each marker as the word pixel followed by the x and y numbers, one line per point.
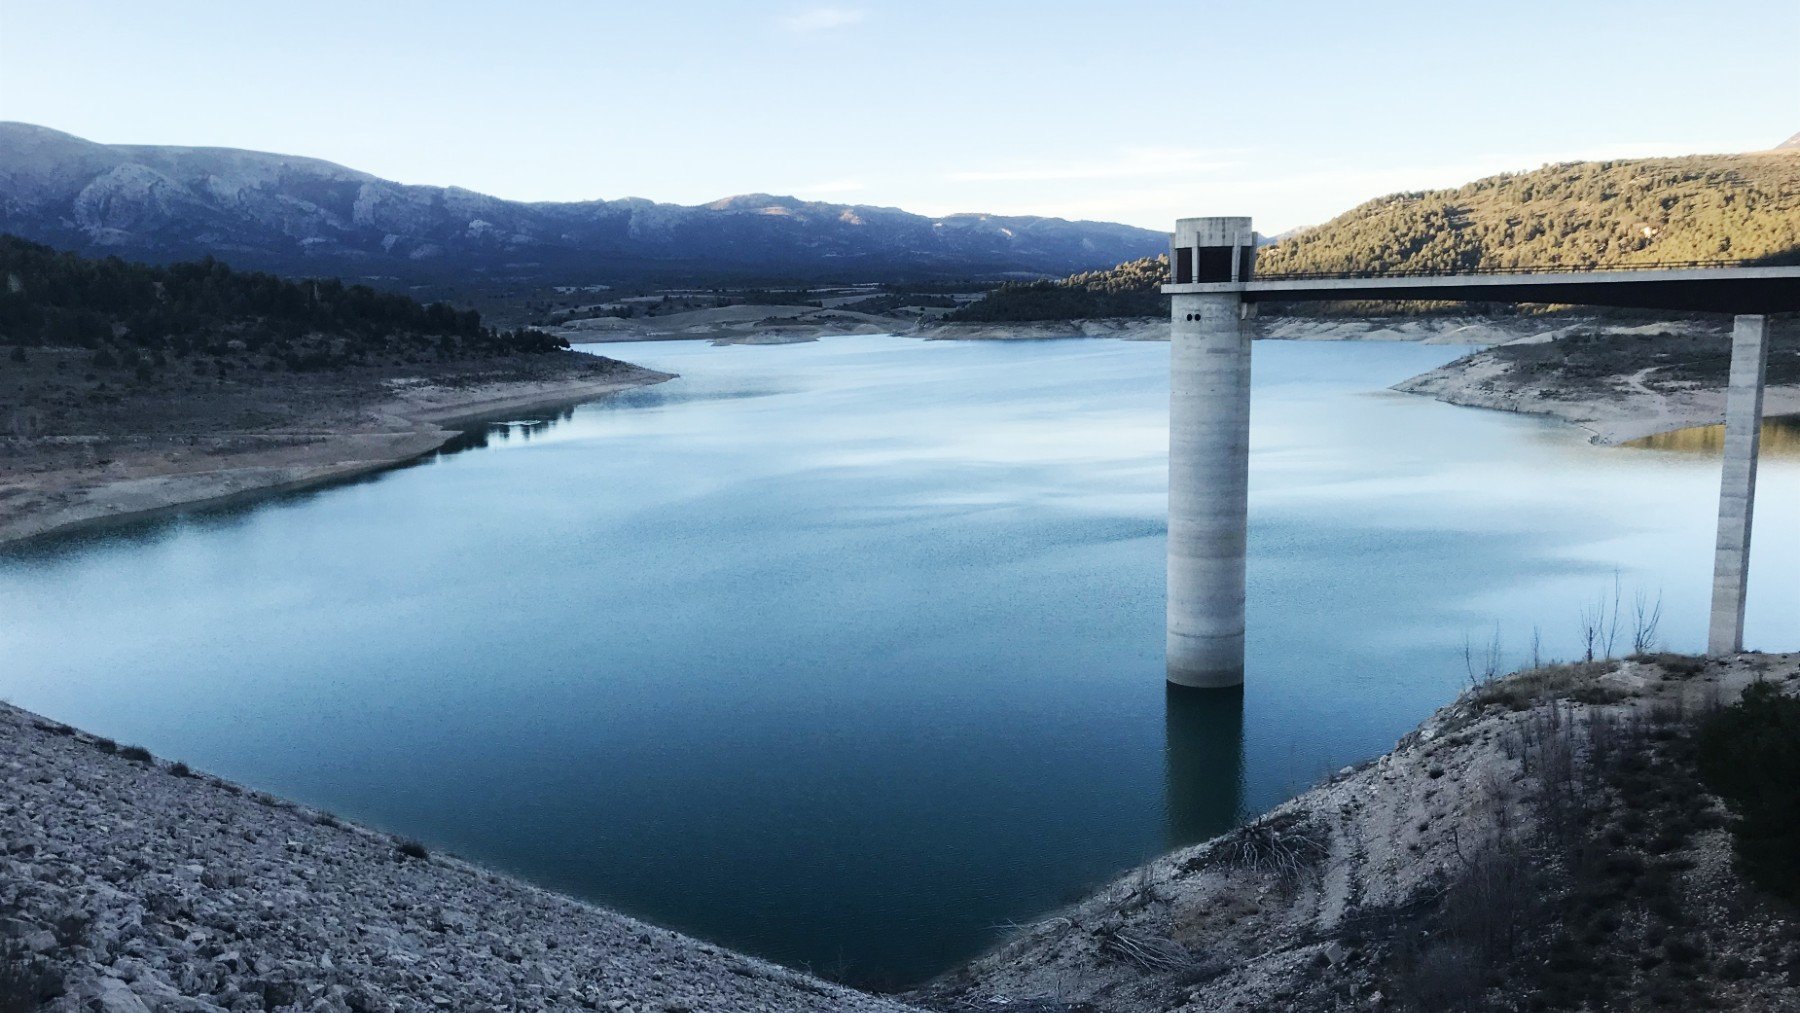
pixel 302 460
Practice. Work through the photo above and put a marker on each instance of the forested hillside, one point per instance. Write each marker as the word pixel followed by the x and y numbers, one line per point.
pixel 148 314
pixel 1133 289
pixel 1579 214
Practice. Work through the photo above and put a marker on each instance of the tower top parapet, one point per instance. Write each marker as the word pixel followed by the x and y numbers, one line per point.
pixel 1212 250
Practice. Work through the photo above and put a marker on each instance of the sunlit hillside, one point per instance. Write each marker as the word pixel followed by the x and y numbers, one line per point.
pixel 1582 214
pixel 1576 214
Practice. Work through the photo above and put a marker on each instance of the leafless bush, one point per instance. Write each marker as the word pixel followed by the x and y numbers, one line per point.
pixel 1600 624
pixel 1485 668
pixel 1490 903
pixel 1549 743
pixel 1156 954
pixel 1496 787
pixel 1548 754
pixel 1647 617
pixel 1612 621
pixel 1712 698
pixel 1608 735
pixel 1284 847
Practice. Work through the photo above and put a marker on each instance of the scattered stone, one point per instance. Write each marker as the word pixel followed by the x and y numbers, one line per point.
pixel 155 894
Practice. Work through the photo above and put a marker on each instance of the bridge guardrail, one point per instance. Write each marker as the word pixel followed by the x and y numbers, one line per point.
pixel 1661 265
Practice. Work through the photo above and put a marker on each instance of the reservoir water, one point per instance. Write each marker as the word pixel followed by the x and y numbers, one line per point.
pixel 849 653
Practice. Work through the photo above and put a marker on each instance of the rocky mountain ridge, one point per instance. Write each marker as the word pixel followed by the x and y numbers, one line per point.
pixel 298 215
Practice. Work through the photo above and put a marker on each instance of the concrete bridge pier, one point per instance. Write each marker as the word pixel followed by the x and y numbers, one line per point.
pixel 1212 262
pixel 1209 451
pixel 1737 484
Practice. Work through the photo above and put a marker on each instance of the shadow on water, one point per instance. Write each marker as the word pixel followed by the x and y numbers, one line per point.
pixel 1780 438
pixel 1203 763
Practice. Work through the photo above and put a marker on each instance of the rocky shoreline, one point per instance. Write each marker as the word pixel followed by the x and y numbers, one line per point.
pixel 783 324
pixel 52 482
pixel 1611 418
pixel 1623 404
pixel 1617 382
pixel 133 885
pixel 1540 843
pixel 1429 330
pixel 55 483
pixel 130 884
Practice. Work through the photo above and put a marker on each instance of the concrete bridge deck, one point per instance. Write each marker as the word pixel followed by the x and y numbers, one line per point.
pixel 1734 290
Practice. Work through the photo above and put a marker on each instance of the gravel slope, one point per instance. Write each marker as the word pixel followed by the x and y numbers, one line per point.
pixel 1320 904
pixel 147 890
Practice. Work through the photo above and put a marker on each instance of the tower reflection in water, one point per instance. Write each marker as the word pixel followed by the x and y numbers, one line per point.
pixel 1203 763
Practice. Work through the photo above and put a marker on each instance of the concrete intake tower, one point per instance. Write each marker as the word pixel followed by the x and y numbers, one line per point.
pixel 1209 449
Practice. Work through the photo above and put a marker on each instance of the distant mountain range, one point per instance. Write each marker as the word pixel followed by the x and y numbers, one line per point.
pixel 1792 142
pixel 298 215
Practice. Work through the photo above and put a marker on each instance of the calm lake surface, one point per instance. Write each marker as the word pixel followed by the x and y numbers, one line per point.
pixel 847 653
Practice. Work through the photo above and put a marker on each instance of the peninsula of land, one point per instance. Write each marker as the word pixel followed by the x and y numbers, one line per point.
pixel 143 452
pixel 130 388
pixel 1617 381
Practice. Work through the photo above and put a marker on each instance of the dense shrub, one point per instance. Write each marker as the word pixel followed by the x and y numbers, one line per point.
pixel 1750 755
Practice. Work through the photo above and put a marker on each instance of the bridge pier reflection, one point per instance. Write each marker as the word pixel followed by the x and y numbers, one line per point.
pixel 1203 763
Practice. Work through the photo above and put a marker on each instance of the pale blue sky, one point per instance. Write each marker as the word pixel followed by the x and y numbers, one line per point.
pixel 1125 110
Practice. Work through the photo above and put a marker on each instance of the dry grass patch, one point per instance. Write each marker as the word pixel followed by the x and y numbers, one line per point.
pixel 1578 681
